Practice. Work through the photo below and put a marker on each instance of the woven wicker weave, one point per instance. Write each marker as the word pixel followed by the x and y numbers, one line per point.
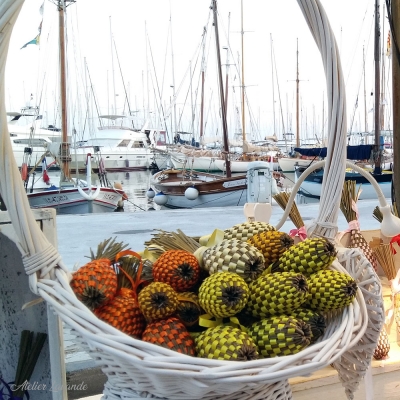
pixel 137 369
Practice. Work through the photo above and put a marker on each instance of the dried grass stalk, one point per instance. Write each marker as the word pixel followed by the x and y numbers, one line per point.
pixel 349 197
pixel 163 241
pixel 282 199
pixel 377 213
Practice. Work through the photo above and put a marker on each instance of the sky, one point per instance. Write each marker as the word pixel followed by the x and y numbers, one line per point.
pixel 142 53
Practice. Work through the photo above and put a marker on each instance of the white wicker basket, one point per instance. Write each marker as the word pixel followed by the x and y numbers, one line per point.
pixel 137 369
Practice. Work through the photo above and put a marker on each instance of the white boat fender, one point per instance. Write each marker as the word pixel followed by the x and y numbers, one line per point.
pixel 89 195
pixel 160 199
pixel 191 193
pixel 150 193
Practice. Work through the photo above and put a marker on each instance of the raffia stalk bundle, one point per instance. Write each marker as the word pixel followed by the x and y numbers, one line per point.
pixel 163 241
pixel 349 209
pixel 282 199
pixel 384 256
pixel 377 213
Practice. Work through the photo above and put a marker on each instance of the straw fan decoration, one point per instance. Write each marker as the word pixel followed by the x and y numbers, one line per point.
pixel 384 255
pixel 138 368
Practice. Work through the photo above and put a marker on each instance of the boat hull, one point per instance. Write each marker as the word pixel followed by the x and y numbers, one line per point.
pixel 289 164
pixel 213 190
pixel 312 185
pixel 113 160
pixel 241 166
pixel 70 201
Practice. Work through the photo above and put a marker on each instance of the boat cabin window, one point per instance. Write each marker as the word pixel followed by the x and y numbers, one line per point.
pixel 124 143
pixel 31 142
pixel 137 145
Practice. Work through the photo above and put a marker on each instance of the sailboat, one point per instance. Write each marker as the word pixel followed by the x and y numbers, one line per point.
pixel 311 187
pixel 250 152
pixel 73 196
pixel 190 189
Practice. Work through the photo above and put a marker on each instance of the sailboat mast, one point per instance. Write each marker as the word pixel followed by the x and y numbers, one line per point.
pixel 377 168
pixel 297 97
pixel 173 77
pixel 65 153
pixel 221 94
pixel 243 113
pixel 227 65
pixel 365 96
pixel 113 72
pixel 273 91
pixel 382 105
pixel 203 63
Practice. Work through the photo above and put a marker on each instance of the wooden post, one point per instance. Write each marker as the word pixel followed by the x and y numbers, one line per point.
pixel 48 381
pixel 377 169
pixel 396 98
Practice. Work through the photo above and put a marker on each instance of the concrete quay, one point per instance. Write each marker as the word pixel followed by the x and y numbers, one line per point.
pixel 77 234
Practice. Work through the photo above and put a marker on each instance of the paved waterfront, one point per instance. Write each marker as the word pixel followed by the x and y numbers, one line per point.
pixel 78 233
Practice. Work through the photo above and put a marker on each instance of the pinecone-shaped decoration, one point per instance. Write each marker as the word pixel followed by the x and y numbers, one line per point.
pixel 272 244
pixel 95 283
pixel 233 255
pixel 123 313
pixel 158 300
pixel 246 230
pixel 330 290
pixel 171 334
pixel 383 346
pixel 189 310
pixel 278 293
pixel 306 257
pixel 313 318
pixel 357 240
pixel 223 294
pixel 178 268
pixel 226 343
pixel 280 335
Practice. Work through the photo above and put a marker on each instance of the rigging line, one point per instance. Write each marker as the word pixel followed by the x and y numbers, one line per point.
pixel 123 83
pixel 165 60
pixel 361 78
pixel 94 96
pixel 357 42
pixel 197 51
pixel 156 87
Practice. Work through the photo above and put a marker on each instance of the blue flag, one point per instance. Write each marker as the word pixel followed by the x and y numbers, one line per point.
pixel 36 40
pixel 33 41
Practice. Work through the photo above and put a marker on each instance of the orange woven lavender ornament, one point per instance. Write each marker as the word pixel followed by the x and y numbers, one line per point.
pixel 95 283
pixel 170 333
pixel 123 311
